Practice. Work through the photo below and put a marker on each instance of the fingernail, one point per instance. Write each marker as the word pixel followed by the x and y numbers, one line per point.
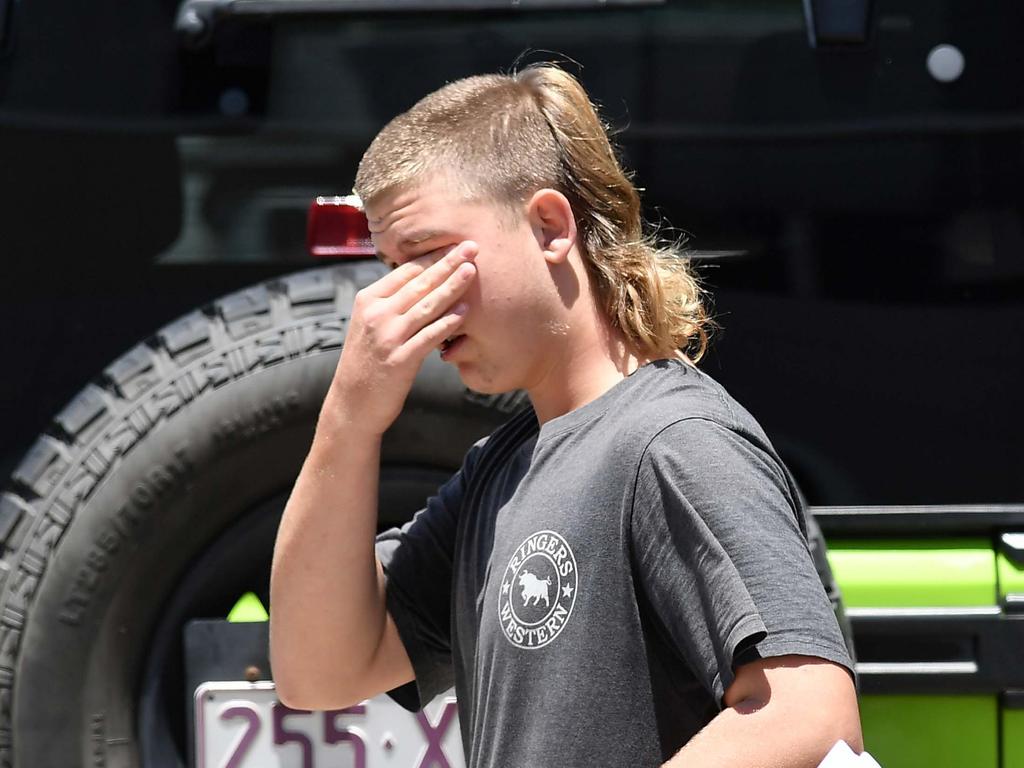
pixel 472 249
pixel 460 308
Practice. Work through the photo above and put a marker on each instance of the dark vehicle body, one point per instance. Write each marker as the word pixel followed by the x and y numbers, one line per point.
pixel 851 190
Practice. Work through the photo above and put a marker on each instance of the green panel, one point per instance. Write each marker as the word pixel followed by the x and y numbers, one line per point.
pixel 1011 576
pixel 1013 738
pixel 932 731
pixel 904 573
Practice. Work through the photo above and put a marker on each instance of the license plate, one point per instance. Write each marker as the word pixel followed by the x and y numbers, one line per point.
pixel 243 725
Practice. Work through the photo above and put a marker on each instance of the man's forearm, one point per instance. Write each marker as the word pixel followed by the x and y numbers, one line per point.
pixel 754 735
pixel 331 639
pixel 780 712
pixel 327 608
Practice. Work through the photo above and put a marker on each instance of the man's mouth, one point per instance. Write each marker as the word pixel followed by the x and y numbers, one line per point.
pixel 449 344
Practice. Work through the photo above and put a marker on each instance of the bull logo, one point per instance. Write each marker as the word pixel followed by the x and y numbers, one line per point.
pixel 534 587
pixel 542 577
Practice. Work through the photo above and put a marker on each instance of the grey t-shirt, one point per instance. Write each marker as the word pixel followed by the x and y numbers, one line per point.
pixel 590 586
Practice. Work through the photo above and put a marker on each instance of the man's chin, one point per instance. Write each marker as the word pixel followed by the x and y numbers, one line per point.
pixel 482 384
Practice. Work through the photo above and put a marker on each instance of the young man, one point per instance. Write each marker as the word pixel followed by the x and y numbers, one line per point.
pixel 618 576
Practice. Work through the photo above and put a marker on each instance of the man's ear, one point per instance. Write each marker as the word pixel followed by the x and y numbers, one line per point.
pixel 553 224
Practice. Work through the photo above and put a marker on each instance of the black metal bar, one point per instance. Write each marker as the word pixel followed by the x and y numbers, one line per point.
pixel 938 650
pixel 196 19
pixel 1013 699
pixel 930 520
pixel 315 7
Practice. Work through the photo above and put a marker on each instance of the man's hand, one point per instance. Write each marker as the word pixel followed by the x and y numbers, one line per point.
pixel 783 711
pixel 395 324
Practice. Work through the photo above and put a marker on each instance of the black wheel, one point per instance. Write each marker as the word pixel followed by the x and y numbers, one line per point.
pixel 154 499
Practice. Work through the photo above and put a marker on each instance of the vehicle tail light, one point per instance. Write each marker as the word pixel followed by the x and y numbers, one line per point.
pixel 336 227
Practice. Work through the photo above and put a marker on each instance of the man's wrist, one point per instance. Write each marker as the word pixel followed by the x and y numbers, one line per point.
pixel 341 417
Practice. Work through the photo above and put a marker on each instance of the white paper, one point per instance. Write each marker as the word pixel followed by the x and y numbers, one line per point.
pixel 841 756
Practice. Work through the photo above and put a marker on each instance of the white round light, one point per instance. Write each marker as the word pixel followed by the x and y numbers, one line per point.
pixel 945 63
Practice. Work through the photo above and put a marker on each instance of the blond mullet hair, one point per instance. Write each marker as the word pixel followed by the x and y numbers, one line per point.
pixel 503 137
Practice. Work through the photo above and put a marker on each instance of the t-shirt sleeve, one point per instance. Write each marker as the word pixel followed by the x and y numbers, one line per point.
pixel 417 561
pixel 721 555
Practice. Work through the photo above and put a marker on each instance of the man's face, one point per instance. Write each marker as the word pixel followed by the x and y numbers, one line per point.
pixel 512 329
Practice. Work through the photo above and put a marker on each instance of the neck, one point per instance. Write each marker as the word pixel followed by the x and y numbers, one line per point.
pixel 588 366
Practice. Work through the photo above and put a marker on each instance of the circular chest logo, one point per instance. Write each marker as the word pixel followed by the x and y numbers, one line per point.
pixel 538 590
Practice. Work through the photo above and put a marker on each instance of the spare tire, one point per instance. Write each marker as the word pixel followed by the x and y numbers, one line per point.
pixel 192 433
pixel 154 497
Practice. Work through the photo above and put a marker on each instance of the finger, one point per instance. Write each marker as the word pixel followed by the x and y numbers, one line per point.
pixel 396 278
pixel 430 336
pixel 441 299
pixel 415 289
